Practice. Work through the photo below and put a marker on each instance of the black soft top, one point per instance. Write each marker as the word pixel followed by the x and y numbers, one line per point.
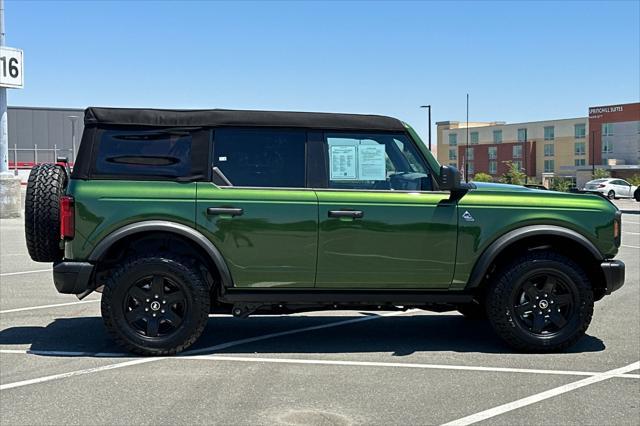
pixel 224 117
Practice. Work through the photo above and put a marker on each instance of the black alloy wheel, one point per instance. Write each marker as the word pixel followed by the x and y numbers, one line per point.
pixel 541 302
pixel 155 306
pixel 545 303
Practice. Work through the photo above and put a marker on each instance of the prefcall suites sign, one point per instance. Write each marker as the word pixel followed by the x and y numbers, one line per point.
pixel 11 68
pixel 597 112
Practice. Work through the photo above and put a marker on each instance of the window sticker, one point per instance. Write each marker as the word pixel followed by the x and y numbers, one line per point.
pixel 371 162
pixel 343 162
pixel 222 158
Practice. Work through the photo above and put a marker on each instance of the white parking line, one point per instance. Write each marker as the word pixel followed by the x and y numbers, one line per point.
pixel 628 246
pixel 209 349
pixel 505 408
pixel 8 274
pixel 632 233
pixel 30 308
pixel 399 365
pixel 76 373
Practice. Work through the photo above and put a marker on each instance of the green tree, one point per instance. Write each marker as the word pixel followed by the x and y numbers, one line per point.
pixel 634 180
pixel 562 184
pixel 482 177
pixel 513 175
pixel 601 174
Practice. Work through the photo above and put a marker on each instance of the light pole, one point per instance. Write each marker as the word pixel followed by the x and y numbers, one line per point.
pixel 73 119
pixel 429 108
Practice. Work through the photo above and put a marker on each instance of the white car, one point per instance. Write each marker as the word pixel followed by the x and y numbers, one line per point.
pixel 611 188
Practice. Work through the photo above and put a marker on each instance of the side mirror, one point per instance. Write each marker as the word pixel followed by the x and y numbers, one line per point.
pixel 450 179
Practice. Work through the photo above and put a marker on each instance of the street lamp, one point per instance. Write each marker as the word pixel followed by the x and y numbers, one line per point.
pixel 429 108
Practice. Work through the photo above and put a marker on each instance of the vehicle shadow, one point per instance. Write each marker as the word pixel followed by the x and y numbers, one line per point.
pixel 397 335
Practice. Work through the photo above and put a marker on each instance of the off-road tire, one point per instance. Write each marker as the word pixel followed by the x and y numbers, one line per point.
pixel 473 311
pixel 502 314
pixel 182 271
pixel 47 183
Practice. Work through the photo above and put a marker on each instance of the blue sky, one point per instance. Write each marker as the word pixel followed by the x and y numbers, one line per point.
pixel 519 61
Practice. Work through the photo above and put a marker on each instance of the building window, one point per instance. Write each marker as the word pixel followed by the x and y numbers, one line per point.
pixel 549 133
pixel 453 139
pixel 469 153
pixel 580 162
pixel 493 152
pixel 549 150
pixel 607 129
pixel 579 148
pixel 518 164
pixel 517 151
pixel 470 168
pixel 607 146
pixel 549 166
pixel 522 135
pixel 580 131
pixel 493 167
pixel 475 138
pixel 453 154
pixel 497 136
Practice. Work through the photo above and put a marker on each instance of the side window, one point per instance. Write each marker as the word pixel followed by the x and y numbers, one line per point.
pixel 261 157
pixel 144 153
pixel 375 162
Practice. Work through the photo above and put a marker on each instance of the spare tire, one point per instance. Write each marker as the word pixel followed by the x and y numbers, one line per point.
pixel 47 183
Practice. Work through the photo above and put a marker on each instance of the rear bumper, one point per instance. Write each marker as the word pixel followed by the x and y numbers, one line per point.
pixel 614 274
pixel 73 277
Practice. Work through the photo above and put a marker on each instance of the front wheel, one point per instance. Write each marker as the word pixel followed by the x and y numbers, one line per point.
pixel 542 302
pixel 611 195
pixel 156 305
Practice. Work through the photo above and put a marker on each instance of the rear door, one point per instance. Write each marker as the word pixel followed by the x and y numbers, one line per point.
pixel 258 211
pixel 381 226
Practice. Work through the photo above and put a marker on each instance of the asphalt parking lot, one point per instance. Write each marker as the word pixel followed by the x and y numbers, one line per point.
pixel 58 366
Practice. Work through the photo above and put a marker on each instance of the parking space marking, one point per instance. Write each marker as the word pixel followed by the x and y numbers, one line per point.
pixel 76 373
pixel 8 274
pixel 625 245
pixel 207 349
pixel 632 233
pixel 505 408
pixel 30 308
pixel 399 365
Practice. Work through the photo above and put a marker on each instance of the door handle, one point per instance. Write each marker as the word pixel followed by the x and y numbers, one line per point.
pixel 354 214
pixel 226 211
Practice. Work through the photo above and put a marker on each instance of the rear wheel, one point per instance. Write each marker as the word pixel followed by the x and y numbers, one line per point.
pixel 155 305
pixel 542 302
pixel 611 195
pixel 47 183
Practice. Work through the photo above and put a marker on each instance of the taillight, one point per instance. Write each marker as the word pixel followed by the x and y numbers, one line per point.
pixel 617 224
pixel 67 219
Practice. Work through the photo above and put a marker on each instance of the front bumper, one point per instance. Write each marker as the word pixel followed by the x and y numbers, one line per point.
pixel 73 277
pixel 613 274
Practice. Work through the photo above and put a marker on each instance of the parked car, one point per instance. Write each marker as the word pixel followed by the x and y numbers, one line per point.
pixel 611 187
pixel 173 215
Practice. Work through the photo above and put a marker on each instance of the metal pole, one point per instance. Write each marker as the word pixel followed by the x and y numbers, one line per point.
pixel 429 129
pixel 35 154
pixel 4 138
pixel 55 153
pixel 524 156
pixel 466 153
pixel 15 158
pixel 73 119
pixel 593 153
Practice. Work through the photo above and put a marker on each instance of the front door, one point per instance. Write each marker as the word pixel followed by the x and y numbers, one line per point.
pixel 259 214
pixel 380 226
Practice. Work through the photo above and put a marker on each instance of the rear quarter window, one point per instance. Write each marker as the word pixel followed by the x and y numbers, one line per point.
pixel 144 153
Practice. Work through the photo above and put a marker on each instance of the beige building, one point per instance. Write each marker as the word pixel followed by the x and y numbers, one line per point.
pixel 540 149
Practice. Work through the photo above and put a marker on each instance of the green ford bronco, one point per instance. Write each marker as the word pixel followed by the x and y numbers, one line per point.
pixel 173 215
